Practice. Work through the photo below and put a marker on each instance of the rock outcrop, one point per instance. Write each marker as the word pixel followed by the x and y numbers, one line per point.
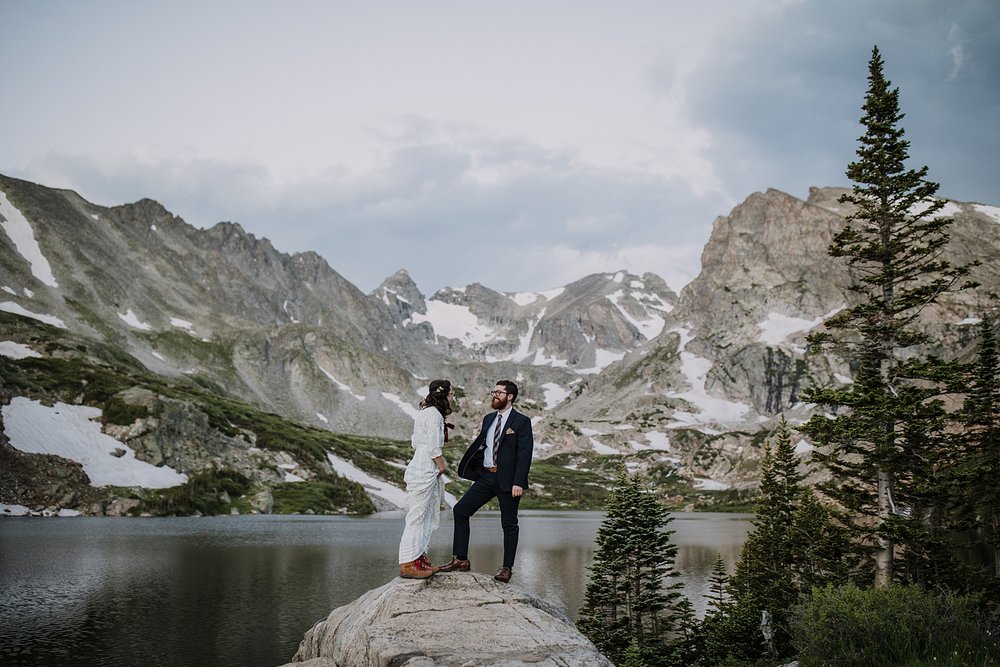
pixel 447 620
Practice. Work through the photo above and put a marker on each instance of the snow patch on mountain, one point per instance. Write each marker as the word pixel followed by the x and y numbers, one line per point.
pixel 989 211
pixel 602 359
pixel 19 230
pixel 649 328
pixel 524 298
pixel 776 328
pixel 711 408
pixel 11 307
pixel 12 350
pixel 73 432
pixel 949 209
pixel 341 385
pixel 542 359
pixel 709 484
pixel 598 446
pixel 454 321
pixel 657 440
pixel 374 486
pixel 407 408
pixel 131 319
pixel 554 394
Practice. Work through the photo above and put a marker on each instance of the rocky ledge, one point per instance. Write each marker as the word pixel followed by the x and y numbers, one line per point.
pixel 448 620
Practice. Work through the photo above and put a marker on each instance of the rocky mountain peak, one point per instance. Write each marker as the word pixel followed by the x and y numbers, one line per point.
pixel 400 295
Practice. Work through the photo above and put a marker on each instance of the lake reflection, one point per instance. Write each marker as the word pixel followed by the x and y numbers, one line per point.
pixel 242 590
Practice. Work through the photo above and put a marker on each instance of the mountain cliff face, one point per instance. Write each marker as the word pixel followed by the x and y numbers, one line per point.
pixel 733 356
pixel 613 365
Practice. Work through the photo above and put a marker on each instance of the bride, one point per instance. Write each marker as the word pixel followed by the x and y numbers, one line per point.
pixel 424 485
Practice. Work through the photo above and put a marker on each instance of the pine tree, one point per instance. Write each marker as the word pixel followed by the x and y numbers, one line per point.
pixel 979 471
pixel 718 585
pixel 820 549
pixel 882 449
pixel 629 598
pixel 764 578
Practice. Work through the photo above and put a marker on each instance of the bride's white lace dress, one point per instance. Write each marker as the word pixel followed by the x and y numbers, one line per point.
pixel 424 487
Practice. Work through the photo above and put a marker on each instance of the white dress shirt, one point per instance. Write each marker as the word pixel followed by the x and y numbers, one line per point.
pixel 488 461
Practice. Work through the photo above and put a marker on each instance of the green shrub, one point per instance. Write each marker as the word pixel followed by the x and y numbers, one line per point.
pixel 117 411
pixel 203 493
pixel 320 497
pixel 894 625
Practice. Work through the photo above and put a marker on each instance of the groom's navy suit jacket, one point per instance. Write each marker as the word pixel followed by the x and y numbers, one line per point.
pixel 513 457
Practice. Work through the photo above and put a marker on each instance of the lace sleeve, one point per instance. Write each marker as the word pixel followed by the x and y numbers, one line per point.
pixel 428 433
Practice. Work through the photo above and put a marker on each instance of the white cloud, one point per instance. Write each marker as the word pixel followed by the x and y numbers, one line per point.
pixel 956 51
pixel 617 132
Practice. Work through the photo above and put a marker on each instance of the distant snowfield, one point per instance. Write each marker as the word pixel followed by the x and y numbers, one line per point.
pixel 11 307
pixel 598 446
pixel 12 350
pixel 410 410
pixel 709 484
pixel 776 328
pixel 131 319
pixel 652 326
pixel 695 370
pixel 991 211
pixel 554 394
pixel 528 298
pixel 374 486
pixel 453 321
pixel 341 385
pixel 602 359
pixel 21 510
pixel 657 440
pixel 70 431
pixel 949 209
pixel 19 230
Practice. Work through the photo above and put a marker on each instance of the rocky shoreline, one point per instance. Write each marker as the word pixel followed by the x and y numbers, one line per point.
pixel 448 620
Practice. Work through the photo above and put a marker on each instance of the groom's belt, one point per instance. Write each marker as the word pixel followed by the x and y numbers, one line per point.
pixel 490 468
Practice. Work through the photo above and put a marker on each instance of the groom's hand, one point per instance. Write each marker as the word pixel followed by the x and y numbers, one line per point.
pixel 516 491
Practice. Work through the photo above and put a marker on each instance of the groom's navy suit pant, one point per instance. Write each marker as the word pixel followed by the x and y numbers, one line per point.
pixel 481 492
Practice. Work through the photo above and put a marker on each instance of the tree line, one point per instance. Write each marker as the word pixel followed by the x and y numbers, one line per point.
pixel 893 558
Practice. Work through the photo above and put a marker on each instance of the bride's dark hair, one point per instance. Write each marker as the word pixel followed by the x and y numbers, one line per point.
pixel 438 397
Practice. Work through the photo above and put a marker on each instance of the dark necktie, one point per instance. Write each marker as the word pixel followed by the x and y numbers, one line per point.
pixel 497 432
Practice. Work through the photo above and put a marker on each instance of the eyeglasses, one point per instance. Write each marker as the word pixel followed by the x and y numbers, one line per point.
pixel 497 392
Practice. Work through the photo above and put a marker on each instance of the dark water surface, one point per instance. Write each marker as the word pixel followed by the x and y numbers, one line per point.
pixel 242 590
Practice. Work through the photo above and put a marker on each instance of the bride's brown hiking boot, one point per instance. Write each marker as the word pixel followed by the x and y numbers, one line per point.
pixel 427 563
pixel 414 570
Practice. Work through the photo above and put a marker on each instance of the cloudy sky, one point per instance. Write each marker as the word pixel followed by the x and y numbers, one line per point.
pixel 521 145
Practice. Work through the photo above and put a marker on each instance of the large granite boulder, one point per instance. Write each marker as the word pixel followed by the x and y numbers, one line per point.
pixel 448 620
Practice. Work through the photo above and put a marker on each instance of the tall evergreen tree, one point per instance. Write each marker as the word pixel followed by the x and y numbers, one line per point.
pixel 630 598
pixel 718 585
pixel 820 550
pixel 979 470
pixel 882 448
pixel 764 580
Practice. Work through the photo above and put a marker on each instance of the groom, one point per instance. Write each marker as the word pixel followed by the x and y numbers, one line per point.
pixel 497 462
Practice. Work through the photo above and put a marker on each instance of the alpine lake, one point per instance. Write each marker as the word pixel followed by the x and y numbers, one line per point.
pixel 242 590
